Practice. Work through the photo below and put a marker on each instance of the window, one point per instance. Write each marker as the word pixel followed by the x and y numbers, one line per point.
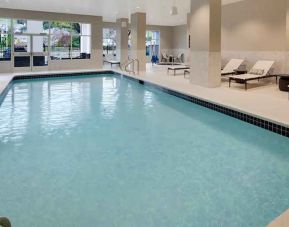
pixel 152 43
pixel 5 39
pixel 70 40
pixel 30 26
pixel 19 26
pixel 109 43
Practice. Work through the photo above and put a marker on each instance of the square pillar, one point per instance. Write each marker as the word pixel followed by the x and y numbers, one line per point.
pixel 189 37
pixel 122 39
pixel 286 65
pixel 205 30
pixel 138 38
pixel 96 42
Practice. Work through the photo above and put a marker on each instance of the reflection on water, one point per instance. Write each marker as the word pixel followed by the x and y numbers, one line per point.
pixel 109 98
pixel 14 113
pixel 63 104
pixel 148 100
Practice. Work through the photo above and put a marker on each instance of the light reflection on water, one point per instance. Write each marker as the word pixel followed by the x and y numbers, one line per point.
pixel 109 98
pixel 14 119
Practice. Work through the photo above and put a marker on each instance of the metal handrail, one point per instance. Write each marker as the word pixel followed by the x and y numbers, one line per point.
pixel 131 62
pixel 137 61
pixel 4 222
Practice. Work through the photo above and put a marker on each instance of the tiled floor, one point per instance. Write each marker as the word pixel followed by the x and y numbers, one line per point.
pixel 262 99
pixel 281 221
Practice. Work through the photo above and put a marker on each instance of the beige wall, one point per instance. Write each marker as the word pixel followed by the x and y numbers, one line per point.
pixel 251 29
pixel 96 38
pixel 180 41
pixel 255 29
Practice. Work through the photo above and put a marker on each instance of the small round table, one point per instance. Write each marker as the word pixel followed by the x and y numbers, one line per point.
pixel 284 82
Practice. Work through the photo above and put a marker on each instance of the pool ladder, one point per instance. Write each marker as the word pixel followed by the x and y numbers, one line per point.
pixel 4 222
pixel 132 66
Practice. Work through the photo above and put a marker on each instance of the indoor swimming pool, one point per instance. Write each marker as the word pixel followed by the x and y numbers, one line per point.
pixel 106 151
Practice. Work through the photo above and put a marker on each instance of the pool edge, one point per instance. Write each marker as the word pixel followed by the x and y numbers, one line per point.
pixel 267 124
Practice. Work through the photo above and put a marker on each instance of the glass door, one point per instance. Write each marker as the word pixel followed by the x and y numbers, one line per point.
pixel 30 52
pixel 22 53
pixel 39 55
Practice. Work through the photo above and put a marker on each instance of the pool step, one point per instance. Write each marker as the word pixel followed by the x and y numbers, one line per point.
pixel 281 221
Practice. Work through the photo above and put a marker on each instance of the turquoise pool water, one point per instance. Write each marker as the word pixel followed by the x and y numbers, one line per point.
pixel 108 152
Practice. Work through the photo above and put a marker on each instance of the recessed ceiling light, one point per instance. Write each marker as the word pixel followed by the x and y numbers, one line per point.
pixel 138 7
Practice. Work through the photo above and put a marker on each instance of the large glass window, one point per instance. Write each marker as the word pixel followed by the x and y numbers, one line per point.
pixel 109 43
pixel 5 39
pixel 67 40
pixel 22 43
pixel 152 43
pixel 70 40
pixel 30 26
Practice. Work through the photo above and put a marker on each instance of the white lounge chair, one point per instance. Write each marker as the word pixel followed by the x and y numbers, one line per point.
pixel 261 70
pixel 232 66
pixel 164 58
pixel 178 67
pixel 112 62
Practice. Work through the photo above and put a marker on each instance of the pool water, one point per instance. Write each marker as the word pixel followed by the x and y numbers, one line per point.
pixel 105 151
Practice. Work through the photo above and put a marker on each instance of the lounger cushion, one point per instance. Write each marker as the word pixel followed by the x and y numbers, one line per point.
pixel 256 71
pixel 180 67
pixel 245 76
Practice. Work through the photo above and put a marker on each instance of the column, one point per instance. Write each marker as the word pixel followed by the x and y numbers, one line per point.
pixel 286 65
pixel 122 39
pixel 205 30
pixel 96 42
pixel 138 38
pixel 189 37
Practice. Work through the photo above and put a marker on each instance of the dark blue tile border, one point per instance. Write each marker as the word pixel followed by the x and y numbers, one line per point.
pixel 60 75
pixel 267 125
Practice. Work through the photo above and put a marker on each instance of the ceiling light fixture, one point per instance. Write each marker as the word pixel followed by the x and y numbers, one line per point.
pixel 174 9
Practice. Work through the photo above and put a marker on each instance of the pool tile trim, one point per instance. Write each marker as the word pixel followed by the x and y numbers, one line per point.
pixel 257 121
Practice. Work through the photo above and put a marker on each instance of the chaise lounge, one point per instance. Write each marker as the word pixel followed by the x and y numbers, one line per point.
pixel 112 62
pixel 232 66
pixel 177 68
pixel 261 70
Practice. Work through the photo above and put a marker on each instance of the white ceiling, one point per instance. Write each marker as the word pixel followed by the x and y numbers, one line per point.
pixel 158 11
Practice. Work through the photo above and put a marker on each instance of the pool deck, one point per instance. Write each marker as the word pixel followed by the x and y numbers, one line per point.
pixel 262 99
pixel 281 221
